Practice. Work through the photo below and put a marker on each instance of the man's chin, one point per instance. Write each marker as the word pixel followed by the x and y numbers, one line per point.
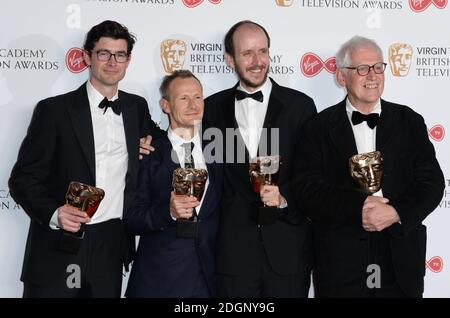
pixel 254 83
pixel 193 124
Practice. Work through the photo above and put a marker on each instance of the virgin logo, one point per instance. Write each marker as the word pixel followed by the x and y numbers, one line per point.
pixel 311 64
pixel 74 60
pixel 194 3
pixel 421 5
pixel 437 132
pixel 435 264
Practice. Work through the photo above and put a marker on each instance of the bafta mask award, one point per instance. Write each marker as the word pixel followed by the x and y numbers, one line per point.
pixel 264 171
pixel 86 198
pixel 191 182
pixel 367 170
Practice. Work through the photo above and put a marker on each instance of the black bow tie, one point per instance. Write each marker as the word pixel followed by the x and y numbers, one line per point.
pixel 256 96
pixel 371 119
pixel 115 105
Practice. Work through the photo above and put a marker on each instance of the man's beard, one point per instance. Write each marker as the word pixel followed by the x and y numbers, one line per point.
pixel 248 83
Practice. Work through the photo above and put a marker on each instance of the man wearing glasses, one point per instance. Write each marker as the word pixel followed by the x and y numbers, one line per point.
pixel 367 245
pixel 90 135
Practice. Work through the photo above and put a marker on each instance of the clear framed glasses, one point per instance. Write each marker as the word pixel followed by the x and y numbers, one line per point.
pixel 105 55
pixel 364 69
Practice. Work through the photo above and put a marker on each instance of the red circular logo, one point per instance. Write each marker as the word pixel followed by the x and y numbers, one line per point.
pixel 74 60
pixel 437 132
pixel 435 264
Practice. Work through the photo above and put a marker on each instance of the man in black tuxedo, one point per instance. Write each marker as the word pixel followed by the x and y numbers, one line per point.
pixel 169 264
pixel 90 135
pixel 367 245
pixel 257 258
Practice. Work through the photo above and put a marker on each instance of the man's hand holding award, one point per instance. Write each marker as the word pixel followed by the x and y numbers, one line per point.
pixel 264 170
pixel 85 198
pixel 189 182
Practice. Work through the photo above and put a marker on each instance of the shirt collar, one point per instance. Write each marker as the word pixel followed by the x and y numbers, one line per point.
pixel 95 97
pixel 177 141
pixel 265 88
pixel 350 108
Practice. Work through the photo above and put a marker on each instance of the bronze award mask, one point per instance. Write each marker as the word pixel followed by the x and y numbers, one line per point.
pixel 264 171
pixel 191 182
pixel 367 170
pixel 86 198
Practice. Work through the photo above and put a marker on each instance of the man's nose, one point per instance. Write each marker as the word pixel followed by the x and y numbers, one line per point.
pixel 112 60
pixel 371 74
pixel 256 59
pixel 192 103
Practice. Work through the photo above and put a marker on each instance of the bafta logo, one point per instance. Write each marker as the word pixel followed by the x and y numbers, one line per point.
pixel 284 3
pixel 367 170
pixel 190 182
pixel 84 197
pixel 400 57
pixel 173 53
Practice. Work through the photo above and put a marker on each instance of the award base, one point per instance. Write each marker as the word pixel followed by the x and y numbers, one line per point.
pixel 266 215
pixel 70 242
pixel 186 228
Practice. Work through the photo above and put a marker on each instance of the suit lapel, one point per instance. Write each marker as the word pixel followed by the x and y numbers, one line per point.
pixel 386 126
pixel 210 194
pixel 168 157
pixel 341 132
pixel 274 109
pixel 131 127
pixel 229 113
pixel 80 115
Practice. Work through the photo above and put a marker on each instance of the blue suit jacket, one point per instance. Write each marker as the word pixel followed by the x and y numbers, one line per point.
pixel 167 266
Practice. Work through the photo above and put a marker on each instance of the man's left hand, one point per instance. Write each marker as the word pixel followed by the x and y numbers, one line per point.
pixel 377 214
pixel 270 195
pixel 145 147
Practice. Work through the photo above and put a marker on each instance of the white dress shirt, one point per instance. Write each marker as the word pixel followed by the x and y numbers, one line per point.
pixel 111 158
pixel 250 116
pixel 365 137
pixel 197 155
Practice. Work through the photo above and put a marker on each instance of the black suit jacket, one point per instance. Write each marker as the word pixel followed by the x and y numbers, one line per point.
pixel 58 149
pixel 286 242
pixel 412 181
pixel 167 266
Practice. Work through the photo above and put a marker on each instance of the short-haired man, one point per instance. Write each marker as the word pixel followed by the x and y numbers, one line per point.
pixel 259 256
pixel 90 135
pixel 170 265
pixel 367 245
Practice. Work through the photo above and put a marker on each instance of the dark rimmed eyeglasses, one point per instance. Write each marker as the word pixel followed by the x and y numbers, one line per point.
pixel 364 69
pixel 105 55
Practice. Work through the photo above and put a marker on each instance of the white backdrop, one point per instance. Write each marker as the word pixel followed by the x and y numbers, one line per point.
pixel 38 59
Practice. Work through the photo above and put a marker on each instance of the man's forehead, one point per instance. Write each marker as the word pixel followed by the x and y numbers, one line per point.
pixel 106 42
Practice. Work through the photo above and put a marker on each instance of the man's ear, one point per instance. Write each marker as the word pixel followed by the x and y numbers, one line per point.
pixel 164 104
pixel 86 58
pixel 230 60
pixel 340 77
